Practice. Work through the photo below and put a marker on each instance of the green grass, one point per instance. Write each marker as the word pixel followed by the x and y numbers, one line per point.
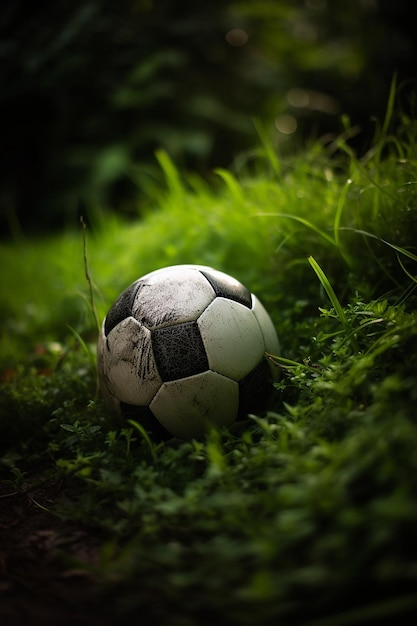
pixel 304 515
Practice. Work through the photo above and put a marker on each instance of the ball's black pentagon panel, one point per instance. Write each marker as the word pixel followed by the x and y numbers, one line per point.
pixel 144 416
pixel 228 287
pixel 122 307
pixel 255 390
pixel 179 351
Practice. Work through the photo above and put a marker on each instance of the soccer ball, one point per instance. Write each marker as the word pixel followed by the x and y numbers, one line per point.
pixel 184 348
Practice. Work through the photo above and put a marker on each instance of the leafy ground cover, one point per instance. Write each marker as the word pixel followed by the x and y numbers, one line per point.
pixel 303 515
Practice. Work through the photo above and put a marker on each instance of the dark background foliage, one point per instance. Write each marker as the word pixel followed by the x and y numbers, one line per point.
pixel 90 88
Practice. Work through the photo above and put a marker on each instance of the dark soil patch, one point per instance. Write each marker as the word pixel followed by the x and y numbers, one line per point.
pixel 42 578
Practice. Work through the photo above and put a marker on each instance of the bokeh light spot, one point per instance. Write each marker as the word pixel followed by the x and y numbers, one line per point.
pixel 286 124
pixel 237 37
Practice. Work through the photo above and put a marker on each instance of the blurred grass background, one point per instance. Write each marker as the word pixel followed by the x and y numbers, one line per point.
pixel 91 88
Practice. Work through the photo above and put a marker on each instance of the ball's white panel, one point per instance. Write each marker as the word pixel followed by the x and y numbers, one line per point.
pixel 170 296
pixel 110 400
pixel 267 328
pixel 128 365
pixel 232 337
pixel 169 268
pixel 185 407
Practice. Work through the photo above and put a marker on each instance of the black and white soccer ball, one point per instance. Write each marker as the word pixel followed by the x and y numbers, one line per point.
pixel 183 348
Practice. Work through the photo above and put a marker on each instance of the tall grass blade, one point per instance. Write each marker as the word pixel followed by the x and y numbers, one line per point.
pixel 171 174
pixel 405 270
pixel 302 221
pixel 338 217
pixel 266 144
pixel 290 363
pixel 390 107
pixel 398 249
pixel 329 290
pixel 145 437
pixel 232 184
pixel 83 345
pixel 88 275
